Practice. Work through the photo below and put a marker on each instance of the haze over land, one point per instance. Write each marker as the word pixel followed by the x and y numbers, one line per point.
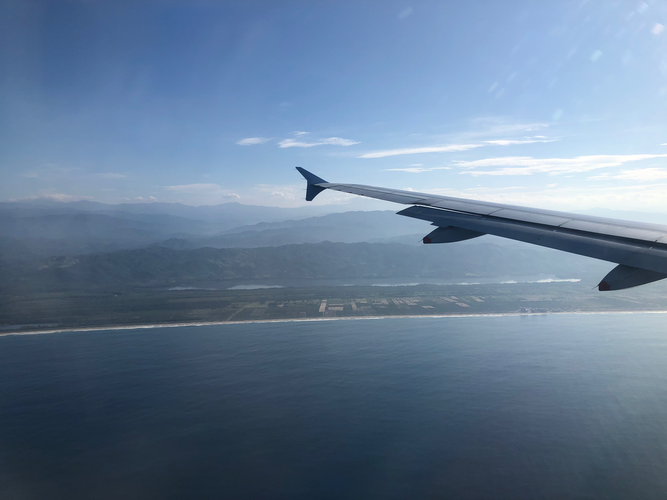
pixel 71 244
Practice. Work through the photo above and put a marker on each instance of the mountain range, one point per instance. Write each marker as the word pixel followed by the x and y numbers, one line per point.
pixel 42 230
pixel 52 245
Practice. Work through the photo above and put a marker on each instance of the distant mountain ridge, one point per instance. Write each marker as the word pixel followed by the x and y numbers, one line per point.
pixel 41 232
pixel 225 214
pixel 346 227
pixel 45 228
pixel 35 230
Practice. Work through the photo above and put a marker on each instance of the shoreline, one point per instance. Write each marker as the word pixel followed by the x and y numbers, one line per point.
pixel 303 320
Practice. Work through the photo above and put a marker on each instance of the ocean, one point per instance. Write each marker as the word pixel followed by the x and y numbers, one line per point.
pixel 512 407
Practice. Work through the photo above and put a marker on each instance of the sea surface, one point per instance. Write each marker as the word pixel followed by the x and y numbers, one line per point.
pixel 514 407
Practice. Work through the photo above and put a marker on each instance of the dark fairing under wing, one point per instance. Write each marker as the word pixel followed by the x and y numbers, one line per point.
pixel 639 249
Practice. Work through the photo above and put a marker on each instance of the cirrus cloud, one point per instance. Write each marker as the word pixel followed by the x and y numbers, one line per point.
pixel 416 170
pixel 251 141
pixel 526 165
pixel 450 148
pixel 514 142
pixel 429 149
pixel 333 141
pixel 638 174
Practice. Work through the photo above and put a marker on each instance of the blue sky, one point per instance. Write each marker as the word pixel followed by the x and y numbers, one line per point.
pixel 554 104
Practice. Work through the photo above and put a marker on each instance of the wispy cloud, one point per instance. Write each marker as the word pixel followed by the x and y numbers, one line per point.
pixel 251 141
pixel 513 142
pixel 639 174
pixel 416 170
pixel 333 141
pixel 142 199
pixel 495 125
pixel 428 149
pixel 526 165
pixel 204 190
pixel 456 147
pixel 285 193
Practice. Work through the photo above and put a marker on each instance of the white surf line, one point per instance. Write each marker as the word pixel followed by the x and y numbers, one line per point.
pixel 303 320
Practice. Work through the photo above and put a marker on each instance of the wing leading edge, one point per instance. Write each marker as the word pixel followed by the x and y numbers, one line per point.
pixel 639 249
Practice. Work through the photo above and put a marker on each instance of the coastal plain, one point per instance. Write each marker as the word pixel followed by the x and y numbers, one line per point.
pixel 145 305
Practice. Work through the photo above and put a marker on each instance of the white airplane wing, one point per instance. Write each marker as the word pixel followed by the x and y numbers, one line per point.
pixel 639 249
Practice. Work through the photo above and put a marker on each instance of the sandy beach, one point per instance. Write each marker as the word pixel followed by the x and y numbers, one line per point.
pixel 305 320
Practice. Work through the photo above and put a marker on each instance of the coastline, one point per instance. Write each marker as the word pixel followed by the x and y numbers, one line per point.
pixel 303 320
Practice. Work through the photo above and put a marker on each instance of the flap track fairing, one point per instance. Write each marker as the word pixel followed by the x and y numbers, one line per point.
pixel 622 277
pixel 450 234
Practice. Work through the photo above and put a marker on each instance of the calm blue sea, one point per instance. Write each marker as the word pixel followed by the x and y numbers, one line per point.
pixel 531 407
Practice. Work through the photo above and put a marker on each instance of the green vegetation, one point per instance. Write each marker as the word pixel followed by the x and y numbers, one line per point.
pixel 139 306
pixel 158 266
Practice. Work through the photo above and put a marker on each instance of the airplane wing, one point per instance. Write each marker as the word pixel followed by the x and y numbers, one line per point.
pixel 639 249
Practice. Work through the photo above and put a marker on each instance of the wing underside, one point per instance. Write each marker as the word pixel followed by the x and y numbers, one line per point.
pixel 640 249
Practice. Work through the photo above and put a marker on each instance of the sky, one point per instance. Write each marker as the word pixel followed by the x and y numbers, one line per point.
pixel 560 105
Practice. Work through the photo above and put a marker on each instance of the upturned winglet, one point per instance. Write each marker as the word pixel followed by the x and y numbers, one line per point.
pixel 312 189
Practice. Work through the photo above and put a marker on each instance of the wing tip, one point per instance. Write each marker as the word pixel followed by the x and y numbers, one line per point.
pixel 312 188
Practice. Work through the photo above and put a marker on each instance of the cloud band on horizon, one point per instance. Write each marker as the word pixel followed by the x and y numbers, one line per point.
pixel 454 147
pixel 251 141
pixel 526 165
pixel 333 141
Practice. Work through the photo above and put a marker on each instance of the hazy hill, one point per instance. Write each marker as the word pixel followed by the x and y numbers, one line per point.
pixel 158 265
pixel 41 228
pixel 225 215
pixel 73 233
pixel 37 231
pixel 347 227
